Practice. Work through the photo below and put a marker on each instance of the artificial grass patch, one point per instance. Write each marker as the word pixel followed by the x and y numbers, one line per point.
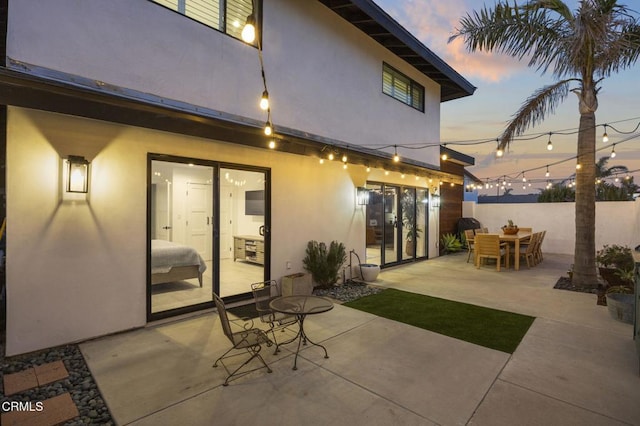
pixel 486 327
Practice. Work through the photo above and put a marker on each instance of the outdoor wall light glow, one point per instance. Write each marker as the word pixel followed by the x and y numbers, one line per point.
pixel 435 200
pixel 77 174
pixel 362 196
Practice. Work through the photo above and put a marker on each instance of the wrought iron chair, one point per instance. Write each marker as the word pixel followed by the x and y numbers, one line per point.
pixel 263 293
pixel 248 340
pixel 488 246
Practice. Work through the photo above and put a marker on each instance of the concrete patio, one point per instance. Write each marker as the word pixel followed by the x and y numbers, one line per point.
pixel 575 366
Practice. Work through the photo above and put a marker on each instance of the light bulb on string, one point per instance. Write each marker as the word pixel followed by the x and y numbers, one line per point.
pixel 268 128
pixel 613 151
pixel 344 158
pixel 605 137
pixel 272 144
pixel 264 101
pixel 547 173
pixel 524 178
pixel 396 157
pixel 549 144
pixel 331 156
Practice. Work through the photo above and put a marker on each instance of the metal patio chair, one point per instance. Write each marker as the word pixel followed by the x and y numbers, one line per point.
pixel 263 293
pixel 247 341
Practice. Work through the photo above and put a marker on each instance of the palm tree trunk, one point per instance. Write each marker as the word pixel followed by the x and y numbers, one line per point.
pixel 584 271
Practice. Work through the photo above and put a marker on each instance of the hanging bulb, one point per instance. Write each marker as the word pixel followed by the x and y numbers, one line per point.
pixel 268 128
pixel 444 157
pixel 499 153
pixel 524 178
pixel 331 156
pixel 605 137
pixel 396 157
pixel 264 101
pixel 613 151
pixel 578 166
pixel 344 165
pixel 249 31
pixel 344 158
pixel 549 144
pixel 272 144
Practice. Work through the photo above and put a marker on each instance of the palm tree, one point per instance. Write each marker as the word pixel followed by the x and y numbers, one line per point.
pixel 580 49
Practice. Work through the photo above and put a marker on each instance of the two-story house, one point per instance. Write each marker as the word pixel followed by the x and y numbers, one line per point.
pixel 140 180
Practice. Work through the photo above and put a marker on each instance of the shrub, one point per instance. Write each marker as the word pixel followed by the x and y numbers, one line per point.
pixel 449 243
pixel 324 264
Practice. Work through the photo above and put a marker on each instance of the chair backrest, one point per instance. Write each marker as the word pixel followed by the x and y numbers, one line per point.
pixel 482 231
pixel 532 245
pixel 525 229
pixel 468 234
pixel 263 293
pixel 224 318
pixel 487 244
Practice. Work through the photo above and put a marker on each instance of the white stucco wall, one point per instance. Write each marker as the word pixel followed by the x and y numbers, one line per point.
pixel 77 270
pixel 617 222
pixel 324 76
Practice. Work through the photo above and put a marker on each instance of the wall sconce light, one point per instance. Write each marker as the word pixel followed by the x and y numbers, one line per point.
pixel 435 200
pixel 362 196
pixel 77 175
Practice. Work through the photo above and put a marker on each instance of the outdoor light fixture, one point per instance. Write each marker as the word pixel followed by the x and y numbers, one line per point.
pixel 549 144
pixel 264 101
pixel 547 173
pixel 77 174
pixel 613 151
pixel 396 157
pixel 605 137
pixel 268 128
pixel 272 144
pixel 362 196
pixel 499 153
pixel 344 158
pixel 249 30
pixel 435 200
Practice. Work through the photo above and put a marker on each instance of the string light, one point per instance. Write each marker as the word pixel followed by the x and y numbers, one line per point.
pixel 547 173
pixel 396 157
pixel 264 100
pixel 524 178
pixel 578 166
pixel 344 158
pixel 331 156
pixel 549 144
pixel 268 128
pixel 605 137
pixel 613 151
pixel 272 144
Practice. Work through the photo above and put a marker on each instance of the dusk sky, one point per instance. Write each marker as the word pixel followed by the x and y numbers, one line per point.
pixel 503 84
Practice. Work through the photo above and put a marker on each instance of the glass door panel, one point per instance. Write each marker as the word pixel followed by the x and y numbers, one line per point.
pixel 242 230
pixel 422 198
pixel 391 225
pixel 374 224
pixel 181 231
pixel 409 230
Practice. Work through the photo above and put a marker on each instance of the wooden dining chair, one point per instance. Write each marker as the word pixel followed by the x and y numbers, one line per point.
pixel 488 246
pixel 528 250
pixel 469 236
pixel 538 249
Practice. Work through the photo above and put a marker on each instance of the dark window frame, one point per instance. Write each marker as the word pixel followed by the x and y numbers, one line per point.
pixel 392 80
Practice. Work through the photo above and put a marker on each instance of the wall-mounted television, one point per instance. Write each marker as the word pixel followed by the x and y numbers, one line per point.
pixel 254 203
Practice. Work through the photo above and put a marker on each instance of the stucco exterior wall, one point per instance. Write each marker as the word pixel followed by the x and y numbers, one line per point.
pixel 77 270
pixel 324 76
pixel 617 222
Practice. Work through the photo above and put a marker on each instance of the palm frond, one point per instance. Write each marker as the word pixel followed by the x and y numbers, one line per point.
pixel 543 102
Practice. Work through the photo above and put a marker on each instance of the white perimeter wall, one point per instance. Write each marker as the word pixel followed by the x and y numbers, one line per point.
pixel 77 270
pixel 324 75
pixel 617 222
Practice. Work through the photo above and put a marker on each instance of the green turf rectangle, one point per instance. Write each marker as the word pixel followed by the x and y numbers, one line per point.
pixel 487 327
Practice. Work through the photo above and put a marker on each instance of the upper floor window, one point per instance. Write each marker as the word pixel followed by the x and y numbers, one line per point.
pixel 402 88
pixel 228 16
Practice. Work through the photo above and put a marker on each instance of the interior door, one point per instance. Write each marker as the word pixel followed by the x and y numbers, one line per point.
pixel 199 218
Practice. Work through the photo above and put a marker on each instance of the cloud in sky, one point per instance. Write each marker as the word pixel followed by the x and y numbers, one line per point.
pixel 433 22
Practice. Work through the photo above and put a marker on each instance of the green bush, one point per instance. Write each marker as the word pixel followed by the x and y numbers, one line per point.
pixel 324 264
pixel 449 243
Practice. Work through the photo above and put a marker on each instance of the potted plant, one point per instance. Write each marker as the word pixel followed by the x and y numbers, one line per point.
pixel 620 303
pixel 510 228
pixel 615 264
pixel 324 263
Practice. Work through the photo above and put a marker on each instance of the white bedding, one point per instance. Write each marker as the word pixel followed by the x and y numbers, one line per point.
pixel 166 254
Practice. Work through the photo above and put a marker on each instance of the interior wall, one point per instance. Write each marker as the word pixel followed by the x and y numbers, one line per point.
pixel 77 270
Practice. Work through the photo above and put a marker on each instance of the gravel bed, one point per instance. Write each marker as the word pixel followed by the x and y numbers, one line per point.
pixel 79 384
pixel 348 291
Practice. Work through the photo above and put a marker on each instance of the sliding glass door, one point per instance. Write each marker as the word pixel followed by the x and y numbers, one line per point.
pixel 208 232
pixel 396 224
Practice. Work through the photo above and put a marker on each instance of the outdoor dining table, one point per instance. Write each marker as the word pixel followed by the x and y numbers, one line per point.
pixel 516 239
pixel 301 306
